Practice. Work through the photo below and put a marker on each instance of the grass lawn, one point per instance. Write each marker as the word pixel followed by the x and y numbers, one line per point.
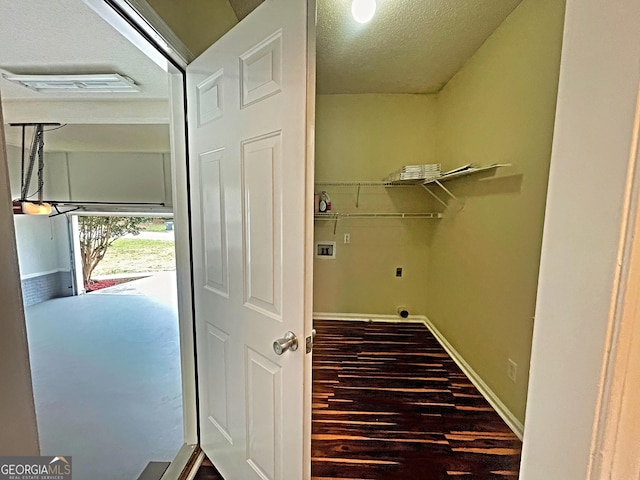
pixel 156 226
pixel 131 255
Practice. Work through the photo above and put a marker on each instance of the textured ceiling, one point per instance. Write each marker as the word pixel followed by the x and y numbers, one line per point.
pixel 66 36
pixel 410 46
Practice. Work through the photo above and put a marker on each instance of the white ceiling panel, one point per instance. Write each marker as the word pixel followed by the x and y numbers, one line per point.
pixel 67 37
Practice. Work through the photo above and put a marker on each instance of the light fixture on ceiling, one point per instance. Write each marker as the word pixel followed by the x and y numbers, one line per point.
pixel 363 10
pixel 91 83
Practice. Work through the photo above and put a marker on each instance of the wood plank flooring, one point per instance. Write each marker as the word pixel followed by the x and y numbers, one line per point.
pixel 389 403
pixel 207 471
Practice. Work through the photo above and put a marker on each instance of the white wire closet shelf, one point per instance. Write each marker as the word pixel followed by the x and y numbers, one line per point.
pixel 462 171
pixel 359 185
pixel 439 181
pixel 336 216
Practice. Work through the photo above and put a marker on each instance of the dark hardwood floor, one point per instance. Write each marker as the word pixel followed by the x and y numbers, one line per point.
pixel 207 472
pixel 389 404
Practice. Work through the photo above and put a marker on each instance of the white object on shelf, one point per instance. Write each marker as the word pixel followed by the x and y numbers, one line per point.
pixel 462 171
pixel 324 204
pixel 466 170
pixel 415 172
pixel 457 173
pixel 451 174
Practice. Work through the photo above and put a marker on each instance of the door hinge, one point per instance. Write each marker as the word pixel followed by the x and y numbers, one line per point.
pixel 309 341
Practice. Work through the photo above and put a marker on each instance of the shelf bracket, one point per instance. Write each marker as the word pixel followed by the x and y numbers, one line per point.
pixel 335 225
pixel 445 189
pixel 442 202
pixel 358 197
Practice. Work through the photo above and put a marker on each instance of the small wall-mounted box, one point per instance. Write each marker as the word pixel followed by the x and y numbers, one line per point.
pixel 325 249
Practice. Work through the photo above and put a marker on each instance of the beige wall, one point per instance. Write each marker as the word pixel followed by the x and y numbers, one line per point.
pixel 365 137
pixel 482 282
pixel 18 434
pixel 197 23
pixel 474 273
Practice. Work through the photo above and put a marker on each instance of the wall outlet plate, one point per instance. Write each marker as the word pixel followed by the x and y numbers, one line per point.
pixel 325 250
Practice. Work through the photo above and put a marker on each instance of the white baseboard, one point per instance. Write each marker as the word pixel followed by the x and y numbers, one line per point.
pixel 502 410
pixel 368 317
pixel 509 418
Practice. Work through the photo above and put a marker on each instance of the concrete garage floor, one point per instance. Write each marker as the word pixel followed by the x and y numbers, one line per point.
pixel 106 378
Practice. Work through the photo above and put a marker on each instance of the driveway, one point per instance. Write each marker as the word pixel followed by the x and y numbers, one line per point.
pixel 160 286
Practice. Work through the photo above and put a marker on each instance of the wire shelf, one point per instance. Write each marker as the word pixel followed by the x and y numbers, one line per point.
pixel 363 184
pixel 407 215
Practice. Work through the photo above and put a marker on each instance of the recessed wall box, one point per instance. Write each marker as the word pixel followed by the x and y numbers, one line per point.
pixel 325 249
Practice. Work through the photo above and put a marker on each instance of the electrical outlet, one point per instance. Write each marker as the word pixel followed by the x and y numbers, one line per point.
pixel 512 370
pixel 347 238
pixel 399 272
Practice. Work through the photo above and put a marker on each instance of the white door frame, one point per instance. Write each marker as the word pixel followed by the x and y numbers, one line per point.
pixel 615 449
pixel 586 220
pixel 19 432
pixel 591 183
pixel 179 178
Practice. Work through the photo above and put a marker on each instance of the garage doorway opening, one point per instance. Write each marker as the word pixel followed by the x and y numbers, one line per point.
pixel 113 251
pixel 106 363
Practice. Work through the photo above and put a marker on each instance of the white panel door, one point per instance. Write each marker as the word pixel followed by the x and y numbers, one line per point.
pixel 247 109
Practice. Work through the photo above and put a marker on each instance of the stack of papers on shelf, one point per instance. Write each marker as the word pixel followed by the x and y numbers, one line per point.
pixel 427 171
pixel 460 170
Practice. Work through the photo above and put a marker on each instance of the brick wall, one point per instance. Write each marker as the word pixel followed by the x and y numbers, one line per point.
pixel 45 287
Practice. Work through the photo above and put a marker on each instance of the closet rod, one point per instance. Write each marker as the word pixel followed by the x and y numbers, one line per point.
pixel 337 216
pixel 365 184
pixel 333 216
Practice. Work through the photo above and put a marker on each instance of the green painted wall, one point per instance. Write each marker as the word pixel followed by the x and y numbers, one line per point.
pixel 197 23
pixel 365 137
pixel 474 273
pixel 482 282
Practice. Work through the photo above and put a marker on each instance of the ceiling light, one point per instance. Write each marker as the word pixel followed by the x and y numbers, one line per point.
pixel 94 83
pixel 33 208
pixel 363 10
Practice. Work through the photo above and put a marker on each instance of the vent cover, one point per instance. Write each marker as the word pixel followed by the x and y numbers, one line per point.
pixel 94 83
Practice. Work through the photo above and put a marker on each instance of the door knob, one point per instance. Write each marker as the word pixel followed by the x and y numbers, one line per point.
pixel 288 342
